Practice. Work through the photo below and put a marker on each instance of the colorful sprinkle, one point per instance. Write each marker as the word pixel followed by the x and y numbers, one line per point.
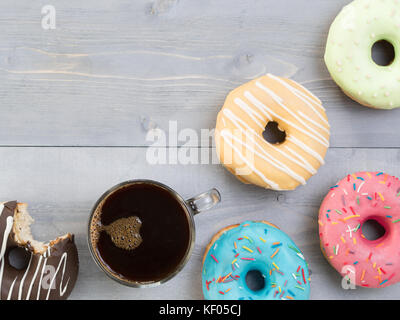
pixel 362 275
pixel 351 217
pixel 293 248
pixel 275 253
pixel 248 249
pixel 215 259
pixel 304 278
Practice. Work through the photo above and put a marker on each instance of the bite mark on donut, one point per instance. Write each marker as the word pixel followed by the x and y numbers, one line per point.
pixel 23 235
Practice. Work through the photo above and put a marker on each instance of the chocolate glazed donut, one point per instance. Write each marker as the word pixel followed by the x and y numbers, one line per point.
pixel 52 269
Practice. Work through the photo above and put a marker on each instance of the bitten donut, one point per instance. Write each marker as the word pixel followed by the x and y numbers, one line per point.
pixel 348 54
pixel 349 204
pixel 53 268
pixel 247 111
pixel 254 246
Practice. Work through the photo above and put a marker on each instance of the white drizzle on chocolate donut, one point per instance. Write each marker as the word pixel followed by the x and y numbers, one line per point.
pixel 3 247
pixel 62 291
pixel 59 255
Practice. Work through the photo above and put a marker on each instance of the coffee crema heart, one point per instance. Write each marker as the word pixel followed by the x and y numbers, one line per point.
pixel 125 232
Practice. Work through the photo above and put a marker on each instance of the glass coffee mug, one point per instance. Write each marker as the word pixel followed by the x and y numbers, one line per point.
pixel 141 233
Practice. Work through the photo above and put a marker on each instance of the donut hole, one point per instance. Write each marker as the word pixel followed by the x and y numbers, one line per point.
pixel 383 53
pixel 18 258
pixel 373 230
pixel 273 134
pixel 255 280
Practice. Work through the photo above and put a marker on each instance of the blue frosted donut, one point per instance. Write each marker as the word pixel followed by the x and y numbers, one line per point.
pixel 254 246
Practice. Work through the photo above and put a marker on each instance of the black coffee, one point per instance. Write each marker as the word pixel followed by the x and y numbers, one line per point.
pixel 160 225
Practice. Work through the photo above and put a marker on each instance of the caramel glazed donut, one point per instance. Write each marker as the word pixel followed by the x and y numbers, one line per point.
pixel 53 268
pixel 242 149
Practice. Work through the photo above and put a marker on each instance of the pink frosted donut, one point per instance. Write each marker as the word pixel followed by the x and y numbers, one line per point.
pixel 356 199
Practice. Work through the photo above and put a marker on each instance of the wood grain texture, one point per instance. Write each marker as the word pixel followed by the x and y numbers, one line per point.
pixel 78 101
pixel 62 184
pixel 110 67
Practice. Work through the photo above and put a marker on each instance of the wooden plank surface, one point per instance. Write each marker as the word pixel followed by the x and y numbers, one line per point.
pixel 110 67
pixel 62 184
pixel 78 101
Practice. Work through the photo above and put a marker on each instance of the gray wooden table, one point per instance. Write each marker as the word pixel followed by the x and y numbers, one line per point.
pixel 77 102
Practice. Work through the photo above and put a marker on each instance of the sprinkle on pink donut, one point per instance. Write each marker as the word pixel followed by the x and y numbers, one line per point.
pixel 349 204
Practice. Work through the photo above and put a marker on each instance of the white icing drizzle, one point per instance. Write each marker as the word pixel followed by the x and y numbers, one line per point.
pixel 1 208
pixel 228 112
pixel 250 112
pixel 262 109
pixel 62 290
pixel 279 101
pixel 28 295
pixel 11 289
pixel 266 157
pixel 317 101
pixel 40 279
pixel 236 120
pixel 9 224
pixel 21 285
pixel 313 122
pixel 306 148
pixel 303 96
pixel 271 183
pixel 307 165
pixel 255 101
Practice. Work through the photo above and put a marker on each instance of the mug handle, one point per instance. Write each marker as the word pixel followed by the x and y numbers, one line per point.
pixel 204 201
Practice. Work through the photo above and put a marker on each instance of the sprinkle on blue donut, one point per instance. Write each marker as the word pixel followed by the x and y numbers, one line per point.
pixel 255 246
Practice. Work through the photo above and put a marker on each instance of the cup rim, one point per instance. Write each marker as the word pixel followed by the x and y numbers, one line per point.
pixel 192 231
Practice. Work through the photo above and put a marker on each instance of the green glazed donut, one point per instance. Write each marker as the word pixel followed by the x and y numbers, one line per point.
pixel 348 54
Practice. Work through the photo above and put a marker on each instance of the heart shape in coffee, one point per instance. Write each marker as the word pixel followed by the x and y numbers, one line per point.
pixel 125 232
